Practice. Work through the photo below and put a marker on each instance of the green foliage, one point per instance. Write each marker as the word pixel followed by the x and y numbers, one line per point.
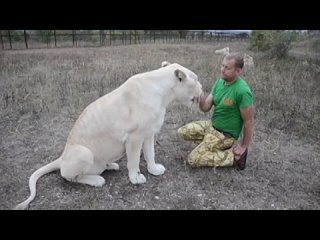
pixel 315 45
pixel 44 35
pixel 16 35
pixel 183 33
pixel 278 42
pixel 261 40
pixel 282 43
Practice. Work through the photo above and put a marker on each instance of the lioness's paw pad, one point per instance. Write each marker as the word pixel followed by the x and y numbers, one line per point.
pixel 137 178
pixel 156 169
pixel 112 166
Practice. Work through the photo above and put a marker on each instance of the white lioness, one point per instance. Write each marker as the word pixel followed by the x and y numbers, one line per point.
pixel 123 121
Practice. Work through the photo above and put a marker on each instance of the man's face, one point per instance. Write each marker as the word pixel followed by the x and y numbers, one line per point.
pixel 228 70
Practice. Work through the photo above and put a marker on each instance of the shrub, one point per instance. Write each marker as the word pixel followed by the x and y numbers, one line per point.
pixel 261 40
pixel 282 42
pixel 278 42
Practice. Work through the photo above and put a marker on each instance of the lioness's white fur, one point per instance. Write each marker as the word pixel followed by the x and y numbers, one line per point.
pixel 123 121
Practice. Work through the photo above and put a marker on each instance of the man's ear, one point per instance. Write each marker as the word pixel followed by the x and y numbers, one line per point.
pixel 239 70
pixel 179 74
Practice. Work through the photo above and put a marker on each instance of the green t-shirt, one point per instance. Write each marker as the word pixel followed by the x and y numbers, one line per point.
pixel 227 101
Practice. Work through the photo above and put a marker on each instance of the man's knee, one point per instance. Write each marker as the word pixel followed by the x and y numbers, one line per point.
pixel 193 130
pixel 202 157
pixel 188 132
pixel 180 131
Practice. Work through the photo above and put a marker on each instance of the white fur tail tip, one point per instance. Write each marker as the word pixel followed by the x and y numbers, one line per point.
pixel 22 206
pixel 164 64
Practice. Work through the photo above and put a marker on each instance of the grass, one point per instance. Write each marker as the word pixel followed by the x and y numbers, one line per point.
pixel 43 91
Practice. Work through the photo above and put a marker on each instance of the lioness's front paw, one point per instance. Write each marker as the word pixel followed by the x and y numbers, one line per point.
pixel 112 166
pixel 137 178
pixel 156 169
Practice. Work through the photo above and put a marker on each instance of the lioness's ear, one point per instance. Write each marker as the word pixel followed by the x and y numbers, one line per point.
pixel 164 64
pixel 179 74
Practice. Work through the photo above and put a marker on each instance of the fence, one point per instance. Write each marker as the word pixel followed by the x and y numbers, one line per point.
pixel 29 39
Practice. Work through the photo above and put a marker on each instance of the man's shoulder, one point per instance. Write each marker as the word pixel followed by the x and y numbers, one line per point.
pixel 243 84
pixel 242 80
pixel 219 80
pixel 216 83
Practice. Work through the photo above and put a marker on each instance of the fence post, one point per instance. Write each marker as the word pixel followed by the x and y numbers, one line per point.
pixel 135 36
pixel 110 34
pixel 25 38
pixel 1 39
pixel 55 38
pixel 73 38
pixel 10 39
pixel 102 38
pixel 48 38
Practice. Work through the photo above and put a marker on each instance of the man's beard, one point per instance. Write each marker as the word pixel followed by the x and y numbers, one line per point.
pixel 225 78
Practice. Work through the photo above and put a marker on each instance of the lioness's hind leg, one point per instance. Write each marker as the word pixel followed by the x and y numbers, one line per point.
pixel 92 180
pixel 75 166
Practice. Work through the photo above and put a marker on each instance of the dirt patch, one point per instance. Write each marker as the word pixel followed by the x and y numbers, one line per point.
pixel 274 177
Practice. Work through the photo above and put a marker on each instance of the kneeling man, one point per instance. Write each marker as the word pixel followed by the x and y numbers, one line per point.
pixel 232 99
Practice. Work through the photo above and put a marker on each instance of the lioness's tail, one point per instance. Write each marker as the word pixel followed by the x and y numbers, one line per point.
pixel 55 165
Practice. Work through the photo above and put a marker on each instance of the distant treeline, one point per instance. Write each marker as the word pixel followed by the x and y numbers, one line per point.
pixel 18 39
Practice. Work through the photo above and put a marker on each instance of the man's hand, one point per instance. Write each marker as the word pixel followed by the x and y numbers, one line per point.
pixel 238 150
pixel 202 96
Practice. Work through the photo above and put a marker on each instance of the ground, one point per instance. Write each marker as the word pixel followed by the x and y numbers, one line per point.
pixel 282 170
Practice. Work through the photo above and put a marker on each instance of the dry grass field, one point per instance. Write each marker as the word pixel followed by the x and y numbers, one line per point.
pixel 43 91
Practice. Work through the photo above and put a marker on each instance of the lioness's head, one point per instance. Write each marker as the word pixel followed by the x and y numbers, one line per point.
pixel 187 89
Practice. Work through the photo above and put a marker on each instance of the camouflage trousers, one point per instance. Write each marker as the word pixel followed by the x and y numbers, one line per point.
pixel 214 149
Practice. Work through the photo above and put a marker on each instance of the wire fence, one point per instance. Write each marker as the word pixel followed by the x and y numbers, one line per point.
pixel 31 39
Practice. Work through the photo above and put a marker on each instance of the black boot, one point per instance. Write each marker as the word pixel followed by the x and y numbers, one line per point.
pixel 241 163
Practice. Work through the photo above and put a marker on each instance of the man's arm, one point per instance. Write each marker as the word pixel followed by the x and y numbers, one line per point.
pixel 205 104
pixel 247 116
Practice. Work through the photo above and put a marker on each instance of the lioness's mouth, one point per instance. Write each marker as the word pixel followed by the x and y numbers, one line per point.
pixel 195 99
